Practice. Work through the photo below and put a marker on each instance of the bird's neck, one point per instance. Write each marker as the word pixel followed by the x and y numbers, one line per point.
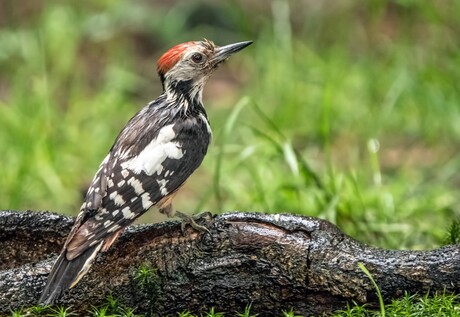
pixel 187 94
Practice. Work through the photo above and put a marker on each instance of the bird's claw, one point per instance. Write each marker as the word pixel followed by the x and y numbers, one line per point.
pixel 191 220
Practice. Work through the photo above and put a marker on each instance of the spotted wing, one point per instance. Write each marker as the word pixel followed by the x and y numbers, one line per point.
pixel 93 201
pixel 139 181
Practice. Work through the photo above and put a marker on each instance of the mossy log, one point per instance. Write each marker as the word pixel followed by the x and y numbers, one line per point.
pixel 274 262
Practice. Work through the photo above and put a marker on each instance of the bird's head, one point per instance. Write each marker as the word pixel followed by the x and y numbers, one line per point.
pixel 187 66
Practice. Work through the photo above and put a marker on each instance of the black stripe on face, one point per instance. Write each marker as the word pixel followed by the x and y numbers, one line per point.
pixel 182 87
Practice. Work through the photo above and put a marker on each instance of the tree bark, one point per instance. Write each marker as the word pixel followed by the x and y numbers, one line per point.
pixel 274 262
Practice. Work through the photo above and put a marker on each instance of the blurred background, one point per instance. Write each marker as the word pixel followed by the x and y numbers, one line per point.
pixel 344 110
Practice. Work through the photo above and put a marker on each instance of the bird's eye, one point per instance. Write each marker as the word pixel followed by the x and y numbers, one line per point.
pixel 197 57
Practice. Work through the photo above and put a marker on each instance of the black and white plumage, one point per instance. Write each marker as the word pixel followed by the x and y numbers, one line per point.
pixel 152 157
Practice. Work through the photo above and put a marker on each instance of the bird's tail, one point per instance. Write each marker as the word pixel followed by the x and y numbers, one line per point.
pixel 66 273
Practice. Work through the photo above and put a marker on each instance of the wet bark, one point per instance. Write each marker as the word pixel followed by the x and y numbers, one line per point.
pixel 274 262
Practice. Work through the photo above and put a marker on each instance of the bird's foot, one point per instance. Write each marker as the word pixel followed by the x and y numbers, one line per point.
pixel 191 220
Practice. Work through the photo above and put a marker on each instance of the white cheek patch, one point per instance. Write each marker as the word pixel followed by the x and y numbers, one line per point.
pixel 151 158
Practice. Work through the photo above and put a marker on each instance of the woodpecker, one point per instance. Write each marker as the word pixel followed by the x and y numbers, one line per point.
pixel 151 158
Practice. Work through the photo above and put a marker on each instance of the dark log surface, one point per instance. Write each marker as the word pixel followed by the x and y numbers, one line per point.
pixel 274 262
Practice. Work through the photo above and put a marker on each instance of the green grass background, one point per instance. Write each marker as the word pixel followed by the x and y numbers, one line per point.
pixel 344 110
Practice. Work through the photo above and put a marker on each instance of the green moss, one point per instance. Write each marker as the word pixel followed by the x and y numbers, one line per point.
pixel 147 281
pixel 146 277
pixel 453 233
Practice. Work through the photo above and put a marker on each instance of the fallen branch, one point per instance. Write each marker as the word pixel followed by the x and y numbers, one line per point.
pixel 274 262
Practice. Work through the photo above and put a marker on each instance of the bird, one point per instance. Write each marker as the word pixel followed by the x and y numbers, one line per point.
pixel 151 158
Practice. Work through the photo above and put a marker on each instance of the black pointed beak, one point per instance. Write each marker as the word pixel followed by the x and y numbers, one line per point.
pixel 223 52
